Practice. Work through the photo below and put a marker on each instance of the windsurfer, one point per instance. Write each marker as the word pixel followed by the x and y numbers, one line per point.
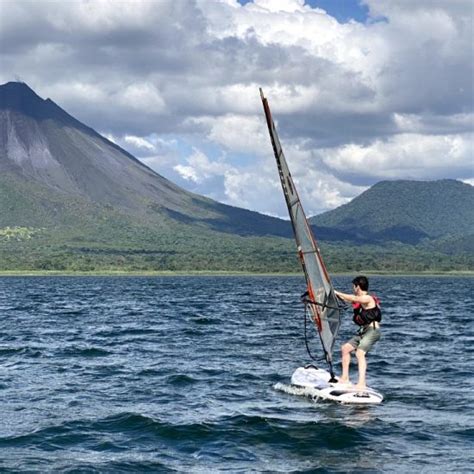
pixel 367 315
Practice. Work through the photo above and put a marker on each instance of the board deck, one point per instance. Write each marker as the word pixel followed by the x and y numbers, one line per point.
pixel 317 380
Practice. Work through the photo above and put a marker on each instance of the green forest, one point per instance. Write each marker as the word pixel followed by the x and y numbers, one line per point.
pixel 40 249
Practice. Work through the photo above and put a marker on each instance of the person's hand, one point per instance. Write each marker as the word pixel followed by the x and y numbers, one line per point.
pixel 339 295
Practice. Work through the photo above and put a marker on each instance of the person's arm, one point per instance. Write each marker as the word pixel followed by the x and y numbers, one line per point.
pixel 364 299
pixel 344 296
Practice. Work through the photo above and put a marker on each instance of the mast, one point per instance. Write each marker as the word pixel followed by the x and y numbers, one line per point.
pixel 324 306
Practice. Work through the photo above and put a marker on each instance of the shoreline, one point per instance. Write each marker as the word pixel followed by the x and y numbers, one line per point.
pixel 224 273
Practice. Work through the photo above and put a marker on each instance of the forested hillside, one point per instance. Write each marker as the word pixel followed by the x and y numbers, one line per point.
pixel 404 211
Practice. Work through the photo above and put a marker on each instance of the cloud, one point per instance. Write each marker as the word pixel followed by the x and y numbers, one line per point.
pixel 139 142
pixel 199 168
pixel 176 82
pixel 142 96
pixel 237 133
pixel 409 156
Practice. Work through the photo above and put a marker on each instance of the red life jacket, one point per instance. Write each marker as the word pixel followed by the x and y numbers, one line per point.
pixel 363 317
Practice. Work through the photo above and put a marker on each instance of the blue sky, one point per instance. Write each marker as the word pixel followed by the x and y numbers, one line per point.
pixel 175 82
pixel 342 10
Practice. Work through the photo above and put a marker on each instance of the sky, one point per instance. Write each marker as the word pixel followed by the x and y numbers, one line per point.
pixel 361 91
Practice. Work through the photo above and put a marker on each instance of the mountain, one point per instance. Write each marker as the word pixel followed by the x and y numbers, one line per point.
pixel 409 212
pixel 44 149
pixel 71 200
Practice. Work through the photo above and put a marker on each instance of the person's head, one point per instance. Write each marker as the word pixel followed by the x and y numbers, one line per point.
pixel 361 282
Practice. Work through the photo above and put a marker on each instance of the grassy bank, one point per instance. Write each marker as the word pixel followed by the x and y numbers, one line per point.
pixel 112 273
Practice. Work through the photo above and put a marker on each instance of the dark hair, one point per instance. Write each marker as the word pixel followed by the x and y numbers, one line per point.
pixel 362 282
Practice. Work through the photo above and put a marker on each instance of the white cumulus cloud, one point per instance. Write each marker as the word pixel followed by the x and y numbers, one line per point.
pixel 354 102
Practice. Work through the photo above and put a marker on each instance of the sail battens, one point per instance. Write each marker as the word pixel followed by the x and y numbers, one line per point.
pixel 324 308
pixel 294 203
pixel 309 252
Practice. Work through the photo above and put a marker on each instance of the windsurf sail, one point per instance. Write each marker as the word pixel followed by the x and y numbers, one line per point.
pixel 323 303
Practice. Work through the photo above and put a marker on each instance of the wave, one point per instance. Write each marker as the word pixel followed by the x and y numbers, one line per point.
pixel 85 352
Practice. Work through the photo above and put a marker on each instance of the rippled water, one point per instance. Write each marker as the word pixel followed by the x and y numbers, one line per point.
pixel 177 374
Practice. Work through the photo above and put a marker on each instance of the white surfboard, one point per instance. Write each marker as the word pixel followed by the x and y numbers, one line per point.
pixel 316 382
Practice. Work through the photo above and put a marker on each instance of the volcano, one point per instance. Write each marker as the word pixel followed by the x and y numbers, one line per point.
pixel 44 149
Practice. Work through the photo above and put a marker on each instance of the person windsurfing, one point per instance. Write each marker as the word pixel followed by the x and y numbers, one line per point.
pixel 367 315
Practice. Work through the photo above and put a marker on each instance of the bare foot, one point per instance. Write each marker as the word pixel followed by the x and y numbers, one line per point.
pixel 346 381
pixel 360 387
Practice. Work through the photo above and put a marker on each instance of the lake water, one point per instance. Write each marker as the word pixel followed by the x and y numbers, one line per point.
pixel 177 374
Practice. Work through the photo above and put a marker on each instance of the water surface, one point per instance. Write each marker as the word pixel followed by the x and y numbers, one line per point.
pixel 163 374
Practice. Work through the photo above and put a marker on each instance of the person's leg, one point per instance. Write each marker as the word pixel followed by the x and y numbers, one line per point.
pixel 362 362
pixel 367 342
pixel 346 350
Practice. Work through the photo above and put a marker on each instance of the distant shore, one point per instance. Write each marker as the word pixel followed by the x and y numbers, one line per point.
pixel 171 273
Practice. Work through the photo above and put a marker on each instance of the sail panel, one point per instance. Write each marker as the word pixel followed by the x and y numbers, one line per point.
pixel 326 312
